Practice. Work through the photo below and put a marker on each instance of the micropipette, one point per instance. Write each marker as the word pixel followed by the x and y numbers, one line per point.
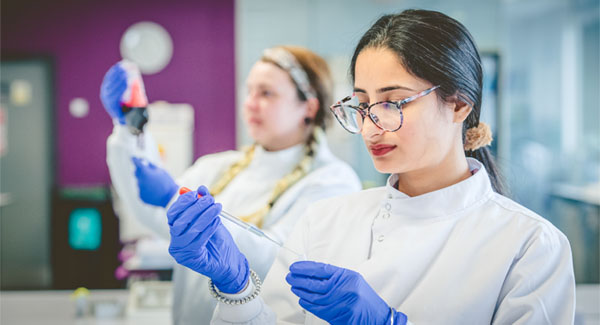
pixel 244 225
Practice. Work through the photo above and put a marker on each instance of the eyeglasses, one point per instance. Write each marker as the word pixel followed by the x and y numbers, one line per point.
pixel 387 115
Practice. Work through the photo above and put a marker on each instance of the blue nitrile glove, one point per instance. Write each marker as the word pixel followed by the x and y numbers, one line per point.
pixel 338 295
pixel 155 184
pixel 200 242
pixel 113 86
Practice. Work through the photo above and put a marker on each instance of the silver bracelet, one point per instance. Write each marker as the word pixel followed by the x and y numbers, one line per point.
pixel 392 318
pixel 255 279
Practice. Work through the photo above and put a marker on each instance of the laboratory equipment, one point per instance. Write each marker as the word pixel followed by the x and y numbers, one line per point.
pixel 80 295
pixel 134 101
pixel 246 226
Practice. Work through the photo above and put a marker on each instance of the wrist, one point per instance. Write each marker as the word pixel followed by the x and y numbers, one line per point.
pixel 237 283
pixel 169 193
pixel 119 120
pixel 398 318
pixel 245 287
pixel 389 318
pixel 394 317
pixel 249 293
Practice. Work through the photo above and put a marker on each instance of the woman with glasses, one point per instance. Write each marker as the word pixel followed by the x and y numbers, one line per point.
pixel 439 243
pixel 268 184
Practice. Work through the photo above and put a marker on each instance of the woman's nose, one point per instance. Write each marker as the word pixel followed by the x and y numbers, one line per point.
pixel 369 129
pixel 251 102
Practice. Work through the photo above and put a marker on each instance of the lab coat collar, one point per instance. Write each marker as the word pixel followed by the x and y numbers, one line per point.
pixel 444 202
pixel 279 160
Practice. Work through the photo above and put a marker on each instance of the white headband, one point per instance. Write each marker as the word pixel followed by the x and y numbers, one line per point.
pixel 288 62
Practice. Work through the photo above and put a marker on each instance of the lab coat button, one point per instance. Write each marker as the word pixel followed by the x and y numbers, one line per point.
pixel 380 238
pixel 388 206
pixel 390 196
pixel 385 216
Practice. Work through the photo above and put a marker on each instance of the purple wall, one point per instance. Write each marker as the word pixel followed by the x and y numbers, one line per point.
pixel 82 36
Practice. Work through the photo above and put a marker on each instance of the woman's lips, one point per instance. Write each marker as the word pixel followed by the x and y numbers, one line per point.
pixel 255 121
pixel 381 149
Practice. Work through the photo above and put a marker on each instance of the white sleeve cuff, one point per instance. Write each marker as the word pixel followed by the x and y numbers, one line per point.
pixel 240 313
pixel 121 131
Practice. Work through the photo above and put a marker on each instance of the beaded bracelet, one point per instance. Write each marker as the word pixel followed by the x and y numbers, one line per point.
pixel 228 301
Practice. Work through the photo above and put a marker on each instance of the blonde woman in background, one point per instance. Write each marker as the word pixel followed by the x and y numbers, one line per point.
pixel 269 184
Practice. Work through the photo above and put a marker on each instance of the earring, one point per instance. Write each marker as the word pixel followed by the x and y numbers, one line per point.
pixel 307 120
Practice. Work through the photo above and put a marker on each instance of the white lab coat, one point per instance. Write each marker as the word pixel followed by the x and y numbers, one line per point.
pixel 248 191
pixel 460 255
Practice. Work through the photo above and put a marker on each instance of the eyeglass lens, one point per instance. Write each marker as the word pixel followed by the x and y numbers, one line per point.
pixel 386 115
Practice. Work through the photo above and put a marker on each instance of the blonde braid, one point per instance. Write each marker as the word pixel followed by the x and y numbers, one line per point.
pixel 282 185
pixel 233 170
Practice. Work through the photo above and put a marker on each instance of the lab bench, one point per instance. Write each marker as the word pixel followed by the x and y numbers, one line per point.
pixel 54 307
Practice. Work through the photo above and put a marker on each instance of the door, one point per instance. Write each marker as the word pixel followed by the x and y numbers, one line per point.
pixel 26 173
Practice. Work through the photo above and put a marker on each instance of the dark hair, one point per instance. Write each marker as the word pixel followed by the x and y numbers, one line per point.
pixel 439 49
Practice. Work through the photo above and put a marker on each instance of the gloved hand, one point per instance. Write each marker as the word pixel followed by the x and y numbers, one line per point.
pixel 200 242
pixel 113 86
pixel 338 295
pixel 155 184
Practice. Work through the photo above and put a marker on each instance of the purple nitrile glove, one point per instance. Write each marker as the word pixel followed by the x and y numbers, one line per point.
pixel 113 86
pixel 338 295
pixel 200 242
pixel 155 184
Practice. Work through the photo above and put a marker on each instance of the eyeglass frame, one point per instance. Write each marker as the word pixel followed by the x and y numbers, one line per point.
pixel 367 111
